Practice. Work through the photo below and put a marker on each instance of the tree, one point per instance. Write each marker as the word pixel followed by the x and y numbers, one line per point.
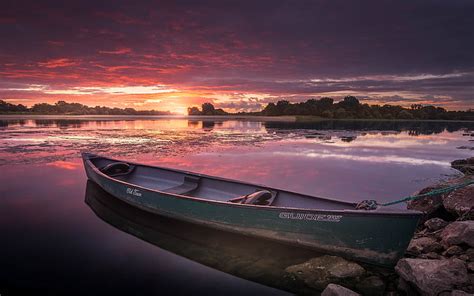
pixel 404 114
pixel 350 102
pixel 325 103
pixel 327 114
pixel 207 109
pixel 194 111
pixel 340 113
pixel 270 109
pixel 8 107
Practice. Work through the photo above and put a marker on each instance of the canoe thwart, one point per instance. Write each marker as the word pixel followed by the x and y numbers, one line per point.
pixel 190 184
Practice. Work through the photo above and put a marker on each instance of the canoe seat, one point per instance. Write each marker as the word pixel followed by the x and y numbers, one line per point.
pixel 190 184
pixel 261 197
pixel 116 169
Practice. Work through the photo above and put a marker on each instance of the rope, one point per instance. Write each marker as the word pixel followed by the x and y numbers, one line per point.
pixel 372 204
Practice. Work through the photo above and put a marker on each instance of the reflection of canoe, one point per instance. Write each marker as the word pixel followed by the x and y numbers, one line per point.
pixel 378 236
pixel 254 259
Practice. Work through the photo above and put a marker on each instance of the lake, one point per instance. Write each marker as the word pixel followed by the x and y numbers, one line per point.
pixel 62 234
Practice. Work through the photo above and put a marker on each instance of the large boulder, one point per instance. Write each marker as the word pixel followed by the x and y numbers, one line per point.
pixel 319 272
pixel 435 224
pixel 460 232
pixel 421 245
pixel 460 202
pixel 431 206
pixel 336 290
pixel 426 205
pixel 431 277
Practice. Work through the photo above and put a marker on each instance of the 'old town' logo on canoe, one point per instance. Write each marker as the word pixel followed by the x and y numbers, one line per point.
pixel 134 192
pixel 310 217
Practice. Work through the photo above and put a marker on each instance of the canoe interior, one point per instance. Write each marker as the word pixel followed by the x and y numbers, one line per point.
pixel 217 189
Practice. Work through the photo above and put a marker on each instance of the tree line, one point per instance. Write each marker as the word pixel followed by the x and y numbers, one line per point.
pixel 348 108
pixel 62 107
pixel 351 108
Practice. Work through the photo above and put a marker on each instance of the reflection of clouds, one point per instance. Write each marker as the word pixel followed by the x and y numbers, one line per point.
pixel 40 141
pixel 382 140
pixel 380 165
pixel 379 159
pixel 392 142
pixel 67 165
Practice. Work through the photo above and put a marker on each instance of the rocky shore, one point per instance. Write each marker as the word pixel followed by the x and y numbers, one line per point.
pixel 438 261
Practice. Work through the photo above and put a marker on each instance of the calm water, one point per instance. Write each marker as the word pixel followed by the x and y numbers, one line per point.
pixel 61 234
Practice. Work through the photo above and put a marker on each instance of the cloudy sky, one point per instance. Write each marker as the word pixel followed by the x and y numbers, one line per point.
pixel 239 55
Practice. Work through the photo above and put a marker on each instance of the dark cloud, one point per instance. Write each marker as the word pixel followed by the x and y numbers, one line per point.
pixel 283 48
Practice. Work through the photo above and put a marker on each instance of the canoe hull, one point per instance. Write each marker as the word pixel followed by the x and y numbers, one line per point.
pixel 370 237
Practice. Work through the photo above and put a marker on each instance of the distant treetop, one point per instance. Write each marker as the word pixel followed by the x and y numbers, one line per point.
pixel 206 109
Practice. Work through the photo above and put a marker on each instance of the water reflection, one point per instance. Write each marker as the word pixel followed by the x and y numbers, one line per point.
pixel 414 128
pixel 253 259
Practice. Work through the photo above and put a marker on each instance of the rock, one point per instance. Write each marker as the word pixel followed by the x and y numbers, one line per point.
pixel 336 290
pixel 459 293
pixel 432 255
pixel 434 224
pixel 470 266
pixel 429 206
pixel 466 166
pixel 458 233
pixel 371 285
pixel 319 272
pixel 460 202
pixel 453 250
pixel 420 245
pixel 431 277
pixel 463 257
pixel 470 253
pixel 434 247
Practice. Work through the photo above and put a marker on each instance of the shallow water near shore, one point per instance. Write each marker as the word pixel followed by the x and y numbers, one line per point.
pixel 57 241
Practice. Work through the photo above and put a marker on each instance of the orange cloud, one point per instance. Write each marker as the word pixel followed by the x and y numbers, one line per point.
pixel 122 50
pixel 57 63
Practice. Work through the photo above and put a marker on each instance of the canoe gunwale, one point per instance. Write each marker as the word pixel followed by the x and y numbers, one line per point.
pixel 392 213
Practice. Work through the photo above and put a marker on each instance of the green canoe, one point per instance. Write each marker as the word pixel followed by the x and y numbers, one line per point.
pixel 378 236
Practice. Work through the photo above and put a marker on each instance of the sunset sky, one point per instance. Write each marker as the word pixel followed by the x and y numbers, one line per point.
pixel 239 55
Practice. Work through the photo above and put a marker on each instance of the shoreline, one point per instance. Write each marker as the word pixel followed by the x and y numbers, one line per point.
pixel 257 118
pixel 149 117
